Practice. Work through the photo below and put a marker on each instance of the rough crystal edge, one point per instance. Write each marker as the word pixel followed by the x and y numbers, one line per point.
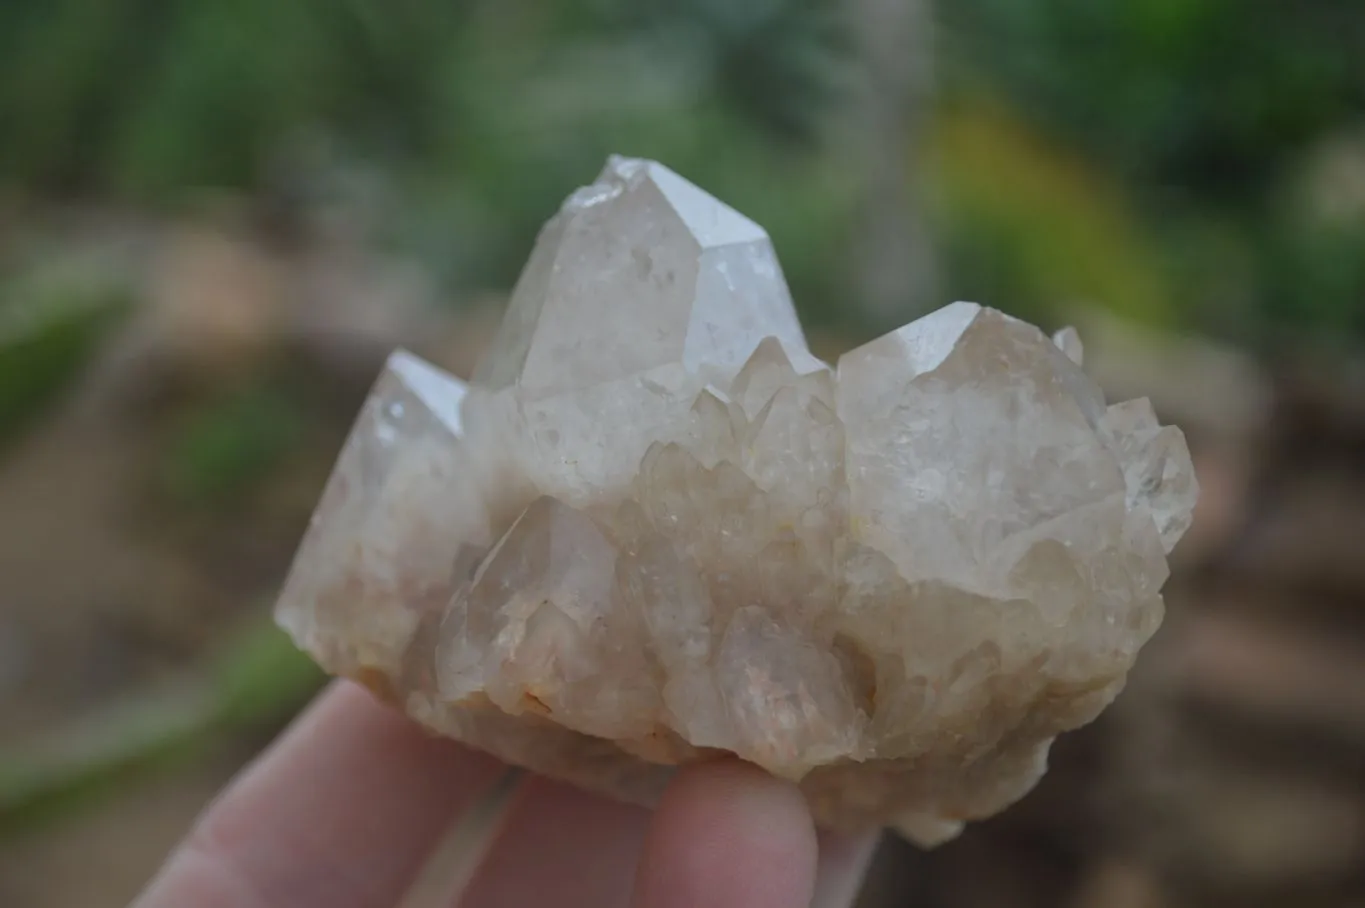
pixel 306 584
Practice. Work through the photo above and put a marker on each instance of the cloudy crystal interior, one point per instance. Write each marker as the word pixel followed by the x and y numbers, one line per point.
pixel 655 528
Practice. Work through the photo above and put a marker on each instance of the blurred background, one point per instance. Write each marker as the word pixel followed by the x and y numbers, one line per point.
pixel 216 218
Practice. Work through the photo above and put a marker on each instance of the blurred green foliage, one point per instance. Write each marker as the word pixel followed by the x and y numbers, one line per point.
pixel 1209 97
pixel 258 680
pixel 995 182
pixel 48 331
pixel 1208 113
pixel 1148 156
pixel 226 444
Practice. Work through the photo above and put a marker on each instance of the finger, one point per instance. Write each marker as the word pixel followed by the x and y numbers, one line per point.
pixel 843 863
pixel 560 846
pixel 339 813
pixel 728 834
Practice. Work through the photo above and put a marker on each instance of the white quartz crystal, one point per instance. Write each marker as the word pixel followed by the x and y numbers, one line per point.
pixel 655 528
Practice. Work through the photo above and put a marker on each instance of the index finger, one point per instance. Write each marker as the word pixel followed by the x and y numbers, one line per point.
pixel 341 812
pixel 727 835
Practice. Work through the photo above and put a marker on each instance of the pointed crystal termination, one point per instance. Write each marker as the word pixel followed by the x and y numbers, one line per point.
pixel 641 290
pixel 655 527
pixel 1068 340
pixel 640 270
pixel 382 543
pixel 984 423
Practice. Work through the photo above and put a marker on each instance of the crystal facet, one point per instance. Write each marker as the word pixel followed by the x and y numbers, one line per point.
pixel 656 527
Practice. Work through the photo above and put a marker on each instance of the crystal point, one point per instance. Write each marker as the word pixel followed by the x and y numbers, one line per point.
pixel 983 424
pixel 640 270
pixel 379 551
pixel 1068 340
pixel 656 527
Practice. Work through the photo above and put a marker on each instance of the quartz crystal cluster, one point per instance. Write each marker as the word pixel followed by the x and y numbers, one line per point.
pixel 655 528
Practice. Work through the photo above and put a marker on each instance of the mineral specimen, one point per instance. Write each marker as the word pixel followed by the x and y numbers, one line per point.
pixel 655 528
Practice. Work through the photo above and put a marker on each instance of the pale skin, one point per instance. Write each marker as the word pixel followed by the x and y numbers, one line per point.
pixel 343 809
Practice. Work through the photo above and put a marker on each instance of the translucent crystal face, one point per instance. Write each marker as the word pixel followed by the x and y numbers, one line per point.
pixel 656 527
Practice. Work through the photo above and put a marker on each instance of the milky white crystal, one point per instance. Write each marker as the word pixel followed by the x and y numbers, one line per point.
pixel 655 528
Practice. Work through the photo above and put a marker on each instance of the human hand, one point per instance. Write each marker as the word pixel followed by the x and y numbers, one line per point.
pixel 344 808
